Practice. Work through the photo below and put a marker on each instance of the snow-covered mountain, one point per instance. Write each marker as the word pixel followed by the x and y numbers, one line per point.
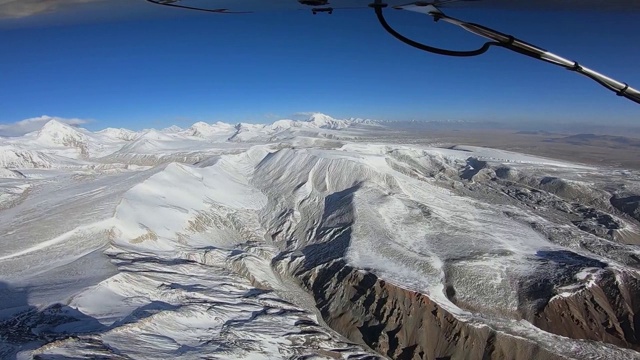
pixel 317 125
pixel 118 134
pixel 55 133
pixel 204 130
pixel 326 122
pixel 309 239
pixel 13 158
pixel 172 129
pixel 58 144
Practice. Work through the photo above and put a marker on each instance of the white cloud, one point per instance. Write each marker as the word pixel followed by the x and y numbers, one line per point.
pixel 24 8
pixel 33 124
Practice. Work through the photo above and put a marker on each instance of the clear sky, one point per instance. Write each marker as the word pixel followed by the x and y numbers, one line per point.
pixel 155 71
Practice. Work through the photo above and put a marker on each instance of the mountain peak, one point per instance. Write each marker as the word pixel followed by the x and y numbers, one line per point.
pixel 153 134
pixel 54 125
pixel 119 134
pixel 320 118
pixel 171 129
pixel 57 133
pixel 203 129
pixel 324 121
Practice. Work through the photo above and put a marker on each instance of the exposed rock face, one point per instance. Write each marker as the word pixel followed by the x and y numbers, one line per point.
pixel 629 205
pixel 586 206
pixel 571 190
pixel 608 310
pixel 473 168
pixel 596 222
pixel 32 325
pixel 403 324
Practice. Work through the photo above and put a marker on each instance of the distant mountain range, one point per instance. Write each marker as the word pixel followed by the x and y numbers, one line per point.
pixel 58 144
pixel 598 140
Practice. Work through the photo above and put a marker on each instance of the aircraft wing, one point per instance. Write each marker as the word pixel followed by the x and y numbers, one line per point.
pixel 244 6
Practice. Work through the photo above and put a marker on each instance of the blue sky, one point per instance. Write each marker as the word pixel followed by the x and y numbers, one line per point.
pixel 157 71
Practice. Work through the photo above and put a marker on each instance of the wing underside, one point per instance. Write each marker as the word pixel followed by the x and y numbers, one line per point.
pixel 245 6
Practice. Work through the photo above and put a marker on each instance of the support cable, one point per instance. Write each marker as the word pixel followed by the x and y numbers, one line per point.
pixel 505 41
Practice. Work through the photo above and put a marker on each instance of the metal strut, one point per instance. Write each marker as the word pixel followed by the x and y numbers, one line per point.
pixel 505 41
pixel 172 3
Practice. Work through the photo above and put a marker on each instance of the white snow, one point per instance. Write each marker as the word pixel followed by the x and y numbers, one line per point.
pixel 176 243
pixel 509 157
pixel 118 134
pixel 218 131
pixel 55 133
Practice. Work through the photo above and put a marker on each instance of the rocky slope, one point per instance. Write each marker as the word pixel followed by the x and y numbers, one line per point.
pixel 607 310
pixel 403 324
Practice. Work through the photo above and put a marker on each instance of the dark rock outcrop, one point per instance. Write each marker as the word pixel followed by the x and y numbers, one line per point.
pixel 403 324
pixel 629 205
pixel 607 311
pixel 596 222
